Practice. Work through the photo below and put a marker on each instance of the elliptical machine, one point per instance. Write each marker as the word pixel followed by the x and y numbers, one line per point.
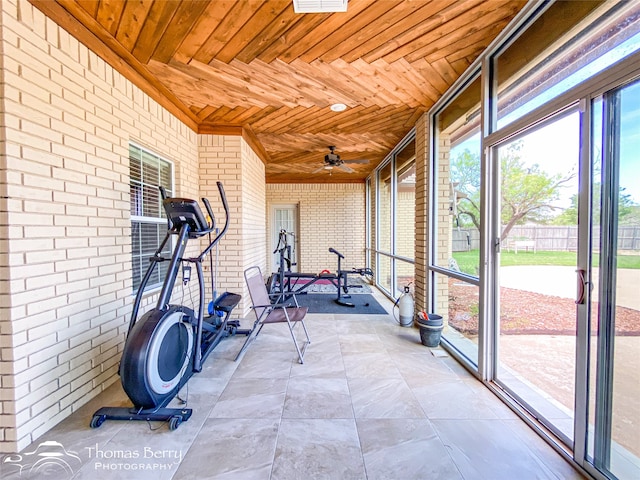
pixel 169 343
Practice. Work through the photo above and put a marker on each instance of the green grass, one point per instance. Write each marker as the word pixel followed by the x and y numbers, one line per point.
pixel 628 261
pixel 468 261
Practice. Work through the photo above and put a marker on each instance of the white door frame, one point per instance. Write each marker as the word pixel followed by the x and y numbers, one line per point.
pixel 292 225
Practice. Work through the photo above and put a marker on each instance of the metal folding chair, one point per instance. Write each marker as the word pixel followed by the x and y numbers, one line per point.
pixel 266 312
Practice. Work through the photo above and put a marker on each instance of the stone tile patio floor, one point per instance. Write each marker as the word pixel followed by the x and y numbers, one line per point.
pixel 370 402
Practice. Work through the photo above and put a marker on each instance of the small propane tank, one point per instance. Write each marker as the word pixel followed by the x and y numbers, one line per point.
pixel 405 305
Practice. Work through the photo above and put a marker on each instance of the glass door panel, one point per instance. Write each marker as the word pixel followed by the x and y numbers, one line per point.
pixel 405 277
pixel 537 207
pixel 384 209
pixel 383 272
pixel 614 419
pixel 458 303
pixel 284 231
pixel 625 431
pixel 458 219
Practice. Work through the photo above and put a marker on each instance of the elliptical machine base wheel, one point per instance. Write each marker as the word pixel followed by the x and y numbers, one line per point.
pixel 175 416
pixel 174 422
pixel 97 420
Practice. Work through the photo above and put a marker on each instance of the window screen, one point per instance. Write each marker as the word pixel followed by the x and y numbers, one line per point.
pixel 148 222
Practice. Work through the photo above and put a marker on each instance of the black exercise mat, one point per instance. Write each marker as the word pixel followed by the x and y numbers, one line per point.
pixel 325 303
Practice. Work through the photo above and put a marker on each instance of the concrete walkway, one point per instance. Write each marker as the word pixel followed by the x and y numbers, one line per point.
pixel 547 362
pixel 562 282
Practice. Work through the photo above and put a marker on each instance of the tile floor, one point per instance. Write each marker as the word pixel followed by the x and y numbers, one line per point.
pixel 370 402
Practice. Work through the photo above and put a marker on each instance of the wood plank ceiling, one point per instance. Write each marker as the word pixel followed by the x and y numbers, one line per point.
pixel 257 68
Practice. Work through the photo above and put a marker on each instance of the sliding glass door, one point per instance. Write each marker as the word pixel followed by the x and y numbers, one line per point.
pixel 566 283
pixel 537 226
pixel 614 347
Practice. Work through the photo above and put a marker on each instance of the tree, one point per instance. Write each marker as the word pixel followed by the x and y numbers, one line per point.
pixel 628 210
pixel 527 192
pixel 465 178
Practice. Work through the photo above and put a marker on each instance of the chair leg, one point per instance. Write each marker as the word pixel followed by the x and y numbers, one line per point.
pixel 295 342
pixel 246 344
pixel 250 338
pixel 304 327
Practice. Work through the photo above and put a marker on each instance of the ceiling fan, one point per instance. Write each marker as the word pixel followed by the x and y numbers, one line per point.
pixel 332 159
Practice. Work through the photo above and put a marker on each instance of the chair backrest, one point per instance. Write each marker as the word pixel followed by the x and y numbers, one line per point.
pixel 257 289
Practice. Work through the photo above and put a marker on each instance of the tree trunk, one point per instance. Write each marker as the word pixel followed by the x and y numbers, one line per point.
pixel 512 223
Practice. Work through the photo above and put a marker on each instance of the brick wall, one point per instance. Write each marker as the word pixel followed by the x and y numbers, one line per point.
pixel 444 224
pixel 229 159
pixel 65 284
pixel 331 215
pixel 66 289
pixel 254 218
pixel 422 213
pixel 405 223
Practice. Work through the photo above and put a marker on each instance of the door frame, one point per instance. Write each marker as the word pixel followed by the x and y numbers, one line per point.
pixel 495 227
pixel 274 231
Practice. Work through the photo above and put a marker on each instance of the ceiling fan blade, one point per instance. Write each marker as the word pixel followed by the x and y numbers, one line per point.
pixel 345 168
pixel 357 161
pixel 318 170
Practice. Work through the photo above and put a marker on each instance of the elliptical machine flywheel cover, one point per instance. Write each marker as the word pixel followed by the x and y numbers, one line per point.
pixel 157 357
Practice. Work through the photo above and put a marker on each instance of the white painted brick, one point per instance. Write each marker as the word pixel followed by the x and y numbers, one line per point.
pixel 70 198
pixel 20 191
pixel 76 398
pixel 47 353
pixel 34 283
pixel 67 265
pixel 50 403
pixel 78 166
pixel 87 378
pixel 109 373
pixel 34 295
pixel 80 190
pixel 48 376
pixel 83 274
pixel 80 231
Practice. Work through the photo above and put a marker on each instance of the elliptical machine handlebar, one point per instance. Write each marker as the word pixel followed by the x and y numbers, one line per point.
pixel 188 214
pixel 219 236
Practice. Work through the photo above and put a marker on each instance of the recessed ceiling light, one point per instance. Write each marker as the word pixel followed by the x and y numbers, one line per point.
pixel 319 6
pixel 338 107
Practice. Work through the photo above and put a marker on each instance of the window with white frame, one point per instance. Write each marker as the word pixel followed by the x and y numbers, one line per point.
pixel 148 172
pixel 392 229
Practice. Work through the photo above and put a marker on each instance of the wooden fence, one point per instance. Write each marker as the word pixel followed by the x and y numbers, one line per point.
pixel 547 237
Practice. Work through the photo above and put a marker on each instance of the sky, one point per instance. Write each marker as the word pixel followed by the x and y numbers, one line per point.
pixel 630 144
pixel 555 147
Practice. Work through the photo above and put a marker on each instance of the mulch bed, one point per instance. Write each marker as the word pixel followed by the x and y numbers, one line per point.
pixel 527 313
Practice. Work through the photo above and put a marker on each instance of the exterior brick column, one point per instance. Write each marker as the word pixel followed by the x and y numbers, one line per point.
pixel 422 213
